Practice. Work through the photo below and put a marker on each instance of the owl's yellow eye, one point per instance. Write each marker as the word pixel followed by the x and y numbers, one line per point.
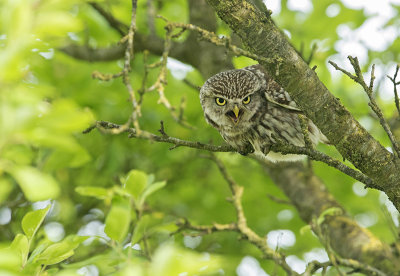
pixel 220 101
pixel 246 100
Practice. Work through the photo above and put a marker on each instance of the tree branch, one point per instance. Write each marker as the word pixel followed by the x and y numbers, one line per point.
pixel 241 225
pixel 395 84
pixel 311 198
pixel 282 148
pixel 263 38
pixel 359 78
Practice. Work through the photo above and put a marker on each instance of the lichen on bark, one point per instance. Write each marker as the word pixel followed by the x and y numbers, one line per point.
pixel 258 32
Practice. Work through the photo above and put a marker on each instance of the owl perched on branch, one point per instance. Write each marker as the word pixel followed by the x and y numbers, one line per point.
pixel 251 112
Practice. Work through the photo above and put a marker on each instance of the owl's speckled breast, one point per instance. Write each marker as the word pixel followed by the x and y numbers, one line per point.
pixel 265 113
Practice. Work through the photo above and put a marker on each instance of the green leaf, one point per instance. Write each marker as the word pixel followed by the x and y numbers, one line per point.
pixel 20 244
pixel 150 179
pixel 150 190
pixel 334 211
pixel 59 159
pixel 60 251
pixel 172 260
pixel 35 184
pixel 38 250
pixel 140 228
pixel 6 187
pixel 305 229
pixel 135 183
pixel 32 221
pixel 9 260
pixel 118 219
pixel 97 192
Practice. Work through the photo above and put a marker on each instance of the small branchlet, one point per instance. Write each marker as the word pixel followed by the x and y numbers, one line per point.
pixel 334 259
pixel 112 128
pixel 395 84
pixel 240 225
pixel 217 40
pixel 128 57
pixel 319 156
pixel 359 78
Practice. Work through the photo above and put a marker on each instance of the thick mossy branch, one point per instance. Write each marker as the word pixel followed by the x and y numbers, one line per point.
pixel 263 38
pixel 311 199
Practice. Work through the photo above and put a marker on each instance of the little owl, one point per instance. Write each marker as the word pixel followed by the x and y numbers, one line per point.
pixel 251 112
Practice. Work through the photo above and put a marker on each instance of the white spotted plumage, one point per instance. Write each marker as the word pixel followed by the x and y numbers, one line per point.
pixel 269 116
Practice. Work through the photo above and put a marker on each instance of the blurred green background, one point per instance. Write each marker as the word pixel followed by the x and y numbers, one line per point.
pixel 48 98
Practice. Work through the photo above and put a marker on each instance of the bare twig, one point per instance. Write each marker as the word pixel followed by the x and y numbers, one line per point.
pixel 112 128
pixel 336 260
pixel 358 77
pixel 314 48
pixel 185 224
pixel 129 54
pixel 127 68
pixel 242 227
pixel 191 84
pixel 114 23
pixel 282 148
pixel 151 12
pixel 279 200
pixel 219 41
pixel 319 156
pixel 395 83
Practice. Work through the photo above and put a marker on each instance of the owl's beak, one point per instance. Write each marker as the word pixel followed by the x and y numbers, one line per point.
pixel 235 114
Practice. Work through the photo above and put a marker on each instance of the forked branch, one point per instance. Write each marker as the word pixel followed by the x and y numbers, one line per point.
pixel 359 78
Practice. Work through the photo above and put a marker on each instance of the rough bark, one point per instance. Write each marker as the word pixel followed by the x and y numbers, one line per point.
pixel 258 32
pixel 206 57
pixel 310 197
pixel 307 193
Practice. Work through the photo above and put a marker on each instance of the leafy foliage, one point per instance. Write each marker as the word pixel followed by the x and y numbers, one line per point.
pixel 109 196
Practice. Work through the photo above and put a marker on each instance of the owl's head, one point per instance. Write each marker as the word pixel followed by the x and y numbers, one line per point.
pixel 231 99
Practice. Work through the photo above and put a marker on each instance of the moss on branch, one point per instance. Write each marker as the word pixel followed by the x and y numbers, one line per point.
pixel 263 38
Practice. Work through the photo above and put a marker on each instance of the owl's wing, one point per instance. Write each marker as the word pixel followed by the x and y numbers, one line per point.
pixel 274 93
pixel 287 106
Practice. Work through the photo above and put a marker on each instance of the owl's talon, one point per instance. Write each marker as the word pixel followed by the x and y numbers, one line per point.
pixel 247 150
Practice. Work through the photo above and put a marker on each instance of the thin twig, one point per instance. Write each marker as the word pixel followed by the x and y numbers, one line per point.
pixel 112 128
pixel 191 84
pixel 242 227
pixel 314 48
pixel 219 41
pixel 128 57
pixel 279 200
pixel 336 260
pixel 151 12
pixel 395 83
pixel 161 81
pixel 358 77
pixel 282 148
pixel 205 229
pixel 129 52
pixel 112 21
pixel 319 156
